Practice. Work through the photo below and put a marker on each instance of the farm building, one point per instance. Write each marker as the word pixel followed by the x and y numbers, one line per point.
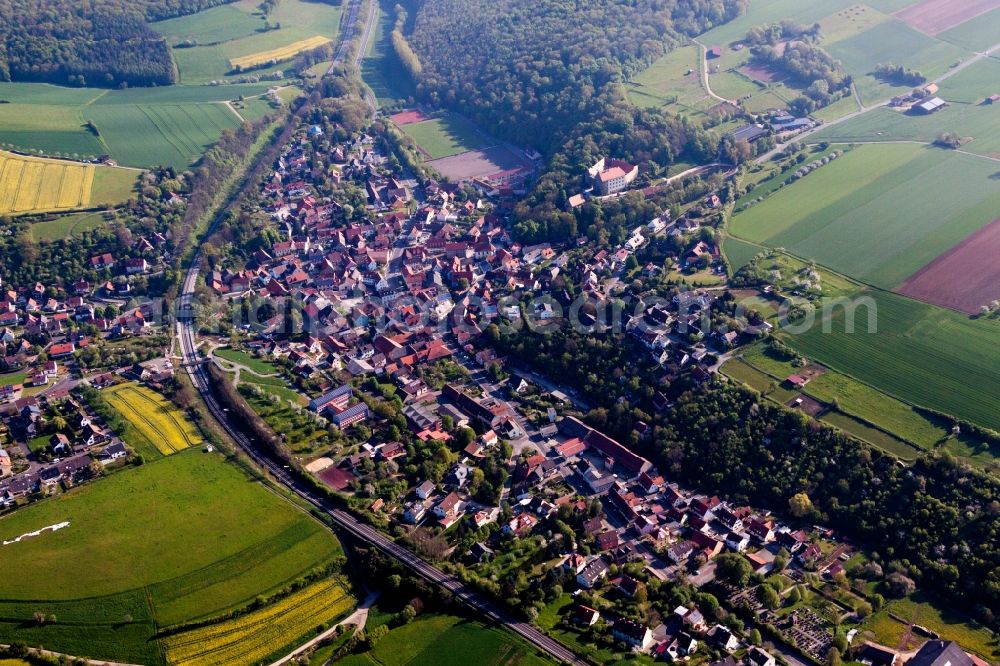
pixel 715 52
pixel 930 106
pixel 750 133
pixel 992 99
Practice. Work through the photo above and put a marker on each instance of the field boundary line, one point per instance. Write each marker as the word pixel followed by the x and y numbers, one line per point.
pixel 160 130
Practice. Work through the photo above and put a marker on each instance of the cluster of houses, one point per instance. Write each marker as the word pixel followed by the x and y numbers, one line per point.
pixel 34 320
pixel 69 457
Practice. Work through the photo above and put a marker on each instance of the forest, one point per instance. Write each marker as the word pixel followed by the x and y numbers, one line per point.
pixel 104 43
pixel 539 68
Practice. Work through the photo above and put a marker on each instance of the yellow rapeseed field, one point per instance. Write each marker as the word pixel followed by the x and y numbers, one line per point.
pixel 154 417
pixel 36 184
pixel 278 54
pixel 250 638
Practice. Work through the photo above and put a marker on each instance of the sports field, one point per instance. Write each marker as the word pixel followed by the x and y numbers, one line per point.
pixel 279 54
pixel 269 632
pixel 158 422
pixel 37 185
pixel 880 212
pixel 444 136
pixel 172 541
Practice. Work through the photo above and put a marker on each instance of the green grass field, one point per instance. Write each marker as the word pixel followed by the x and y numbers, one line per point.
pixel 761 12
pixel 949 624
pixel 924 355
pixel 978 34
pixel 66 226
pixel 168 134
pixel 892 41
pixel 139 127
pixel 184 537
pixel 443 640
pixel 445 136
pixel 965 115
pixel 259 366
pixel 10 378
pixel 229 32
pixel 856 399
pixel 218 24
pixel 667 82
pixel 879 213
pixel 381 69
pixel 739 252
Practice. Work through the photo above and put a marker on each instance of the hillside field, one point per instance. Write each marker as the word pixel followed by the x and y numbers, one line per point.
pixel 880 212
pixel 447 640
pixel 924 355
pixel 667 82
pixel 138 127
pixel 226 35
pixel 175 540
pixel 37 185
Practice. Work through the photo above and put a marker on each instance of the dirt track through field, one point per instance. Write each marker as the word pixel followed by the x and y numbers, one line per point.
pixel 935 16
pixel 964 278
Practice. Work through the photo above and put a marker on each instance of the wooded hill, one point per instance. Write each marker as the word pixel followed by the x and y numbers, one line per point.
pixel 105 43
pixel 530 70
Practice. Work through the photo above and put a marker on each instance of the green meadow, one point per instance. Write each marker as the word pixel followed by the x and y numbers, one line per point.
pixel 236 30
pixel 183 538
pixel 381 69
pixel 138 127
pixel 921 354
pixel 673 81
pixel 448 640
pixel 880 212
